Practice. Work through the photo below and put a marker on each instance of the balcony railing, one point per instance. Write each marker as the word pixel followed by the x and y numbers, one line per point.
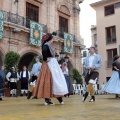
pixel 19 20
pixel 61 34
pixel 109 63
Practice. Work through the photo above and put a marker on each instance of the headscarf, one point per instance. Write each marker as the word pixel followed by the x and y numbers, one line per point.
pixel 47 37
pixel 45 40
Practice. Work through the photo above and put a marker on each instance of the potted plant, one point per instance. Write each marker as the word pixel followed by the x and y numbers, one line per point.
pixel 11 59
pixel 76 76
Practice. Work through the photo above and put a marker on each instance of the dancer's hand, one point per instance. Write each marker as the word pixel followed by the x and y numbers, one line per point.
pixel 48 59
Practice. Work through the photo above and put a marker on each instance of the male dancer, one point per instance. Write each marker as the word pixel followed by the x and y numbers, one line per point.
pixel 24 77
pixel 13 77
pixel 92 65
pixel 34 74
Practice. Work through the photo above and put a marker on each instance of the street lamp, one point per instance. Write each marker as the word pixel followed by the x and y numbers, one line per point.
pixel 66 58
pixel 56 56
pixel 61 54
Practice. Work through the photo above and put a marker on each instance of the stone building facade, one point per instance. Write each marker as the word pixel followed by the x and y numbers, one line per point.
pixel 56 15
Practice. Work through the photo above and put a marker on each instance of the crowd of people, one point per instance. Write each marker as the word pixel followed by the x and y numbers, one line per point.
pixel 48 79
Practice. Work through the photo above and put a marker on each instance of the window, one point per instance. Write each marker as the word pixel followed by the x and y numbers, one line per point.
pixel 84 53
pixel 32 13
pixel 110 35
pixel 109 10
pixel 117 5
pixel 63 26
pixel 107 79
pixel 110 55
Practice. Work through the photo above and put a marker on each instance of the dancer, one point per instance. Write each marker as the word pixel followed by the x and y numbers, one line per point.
pixel 34 74
pixel 2 80
pixel 66 74
pixel 13 77
pixel 113 85
pixel 24 77
pixel 51 81
pixel 92 65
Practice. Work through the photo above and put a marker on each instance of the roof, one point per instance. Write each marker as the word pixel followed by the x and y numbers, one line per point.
pixel 94 5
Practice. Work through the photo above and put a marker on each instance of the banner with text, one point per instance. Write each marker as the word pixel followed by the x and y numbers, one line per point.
pixel 36 31
pixel 68 43
pixel 1 24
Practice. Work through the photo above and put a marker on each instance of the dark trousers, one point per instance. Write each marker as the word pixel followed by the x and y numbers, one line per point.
pixel 93 75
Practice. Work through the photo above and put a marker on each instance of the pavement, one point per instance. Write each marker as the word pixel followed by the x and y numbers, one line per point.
pixel 106 107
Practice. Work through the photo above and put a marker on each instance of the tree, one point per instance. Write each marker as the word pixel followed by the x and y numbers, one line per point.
pixel 77 76
pixel 11 59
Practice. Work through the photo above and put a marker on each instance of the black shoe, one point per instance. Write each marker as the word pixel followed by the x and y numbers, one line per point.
pixel 21 95
pixel 29 95
pixel 49 103
pixel 117 96
pixel 0 99
pixel 14 95
pixel 34 98
pixel 64 95
pixel 92 99
pixel 60 99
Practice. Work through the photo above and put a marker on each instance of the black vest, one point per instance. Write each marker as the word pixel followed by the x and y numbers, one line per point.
pixel 26 75
pixel 13 75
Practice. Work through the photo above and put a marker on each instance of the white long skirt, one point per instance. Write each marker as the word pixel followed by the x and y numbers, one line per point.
pixel 113 85
pixel 59 82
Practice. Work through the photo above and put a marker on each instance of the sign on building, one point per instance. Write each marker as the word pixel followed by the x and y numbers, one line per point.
pixel 1 24
pixel 36 31
pixel 68 43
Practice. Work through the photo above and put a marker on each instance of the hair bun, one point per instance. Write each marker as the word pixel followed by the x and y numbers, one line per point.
pixel 54 33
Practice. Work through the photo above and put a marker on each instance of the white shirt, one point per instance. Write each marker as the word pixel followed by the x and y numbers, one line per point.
pixel 24 74
pixel 91 59
pixel 66 71
pixel 36 69
pixel 12 79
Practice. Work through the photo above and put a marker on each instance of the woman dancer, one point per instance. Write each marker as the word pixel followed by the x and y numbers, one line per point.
pixel 113 85
pixel 66 74
pixel 51 81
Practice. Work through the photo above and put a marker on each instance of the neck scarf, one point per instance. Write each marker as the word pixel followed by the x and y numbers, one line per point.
pixel 50 48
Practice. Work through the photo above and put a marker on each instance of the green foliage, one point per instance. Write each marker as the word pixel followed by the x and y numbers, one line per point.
pixel 76 76
pixel 11 59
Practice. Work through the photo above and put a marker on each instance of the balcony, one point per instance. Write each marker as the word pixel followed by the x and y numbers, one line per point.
pixel 19 20
pixel 61 35
pixel 109 63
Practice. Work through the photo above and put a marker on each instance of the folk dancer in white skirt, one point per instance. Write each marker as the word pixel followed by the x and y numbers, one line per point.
pixel 51 81
pixel 113 85
pixel 66 74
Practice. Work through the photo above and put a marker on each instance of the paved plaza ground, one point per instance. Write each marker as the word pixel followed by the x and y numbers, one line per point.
pixel 106 107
